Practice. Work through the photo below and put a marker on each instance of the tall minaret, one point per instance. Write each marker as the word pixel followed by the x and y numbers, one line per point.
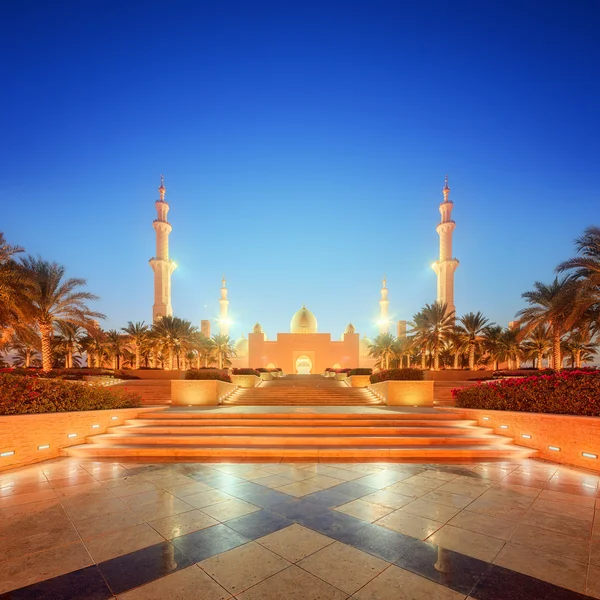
pixel 384 304
pixel 161 264
pixel 446 265
pixel 223 315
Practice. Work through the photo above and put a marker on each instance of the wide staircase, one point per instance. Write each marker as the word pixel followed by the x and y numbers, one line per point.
pixel 302 390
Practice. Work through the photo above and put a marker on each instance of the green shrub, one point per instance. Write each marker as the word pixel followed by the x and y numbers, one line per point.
pixel 398 375
pixel 29 395
pixel 208 374
pixel 245 372
pixel 360 372
pixel 565 393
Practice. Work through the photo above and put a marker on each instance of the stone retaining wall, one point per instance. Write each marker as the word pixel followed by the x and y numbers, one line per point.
pixel 25 434
pixel 573 435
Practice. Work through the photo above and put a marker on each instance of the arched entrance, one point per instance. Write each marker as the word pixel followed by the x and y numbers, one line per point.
pixel 303 365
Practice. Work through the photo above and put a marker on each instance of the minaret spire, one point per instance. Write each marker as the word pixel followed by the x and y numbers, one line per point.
pixel 446 265
pixel 384 303
pixel 161 264
pixel 224 309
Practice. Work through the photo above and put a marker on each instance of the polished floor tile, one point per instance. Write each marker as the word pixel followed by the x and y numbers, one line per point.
pixel 366 511
pixel 208 542
pixel 430 510
pixel 295 542
pixel 293 583
pixel 485 524
pixel 186 522
pixel 191 583
pixel 32 568
pixel 258 524
pixel 380 542
pixel 469 543
pixel 396 584
pixel 83 584
pixel 344 567
pixel 138 568
pixel 230 509
pixel 239 569
pixel 559 570
pixel 412 525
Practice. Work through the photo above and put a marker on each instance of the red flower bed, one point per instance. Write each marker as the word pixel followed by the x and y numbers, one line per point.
pixel 565 393
pixel 27 395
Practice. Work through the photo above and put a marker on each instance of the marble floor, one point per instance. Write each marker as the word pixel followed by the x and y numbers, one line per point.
pixel 75 529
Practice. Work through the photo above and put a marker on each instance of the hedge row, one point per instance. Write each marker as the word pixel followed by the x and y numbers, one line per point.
pixel 398 375
pixel 243 371
pixel 360 372
pixel 564 393
pixel 29 395
pixel 208 374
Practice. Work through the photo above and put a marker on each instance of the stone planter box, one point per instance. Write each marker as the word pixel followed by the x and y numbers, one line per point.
pixel 24 434
pixel 404 393
pixel 200 392
pixel 359 380
pixel 266 376
pixel 341 376
pixel 246 381
pixel 572 435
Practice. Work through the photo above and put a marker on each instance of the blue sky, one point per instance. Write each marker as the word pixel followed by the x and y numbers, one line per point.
pixel 304 147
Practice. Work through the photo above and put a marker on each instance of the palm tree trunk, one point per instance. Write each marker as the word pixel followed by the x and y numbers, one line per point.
pixel 171 363
pixel 540 359
pixel 137 356
pixel 408 360
pixel 436 358
pixel 423 359
pixel 46 335
pixel 27 358
pixel 471 357
pixel 455 364
pixel 69 358
pixel 556 357
pixel 578 359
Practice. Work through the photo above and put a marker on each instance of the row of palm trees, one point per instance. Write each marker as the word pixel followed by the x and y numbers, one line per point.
pixel 45 316
pixel 562 319
pixel 45 320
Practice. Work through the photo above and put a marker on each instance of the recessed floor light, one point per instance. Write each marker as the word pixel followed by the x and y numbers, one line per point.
pixel 71 435
pixel 526 436
pixel 589 455
pixel 555 448
pixel 7 453
pixel 44 447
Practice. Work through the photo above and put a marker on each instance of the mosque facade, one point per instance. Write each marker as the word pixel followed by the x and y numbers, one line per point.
pixel 303 349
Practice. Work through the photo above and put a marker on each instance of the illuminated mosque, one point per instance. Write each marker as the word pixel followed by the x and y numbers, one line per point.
pixel 303 349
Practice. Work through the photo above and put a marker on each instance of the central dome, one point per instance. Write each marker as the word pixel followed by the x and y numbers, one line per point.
pixel 303 322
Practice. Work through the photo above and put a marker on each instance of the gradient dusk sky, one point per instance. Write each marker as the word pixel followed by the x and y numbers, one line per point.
pixel 304 147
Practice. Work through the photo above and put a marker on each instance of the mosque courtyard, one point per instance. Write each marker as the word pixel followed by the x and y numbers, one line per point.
pixel 98 529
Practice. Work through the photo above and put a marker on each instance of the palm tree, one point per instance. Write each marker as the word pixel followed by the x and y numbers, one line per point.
pixel 53 299
pixel 69 337
pixel 586 266
pixel 472 326
pixel 558 306
pixel 511 348
pixel 382 349
pixel 138 334
pixel 14 288
pixel 492 343
pixel 115 343
pixel 433 325
pixel 93 344
pixel 455 347
pixel 26 344
pixel 224 348
pixel 579 345
pixel 539 343
pixel 175 336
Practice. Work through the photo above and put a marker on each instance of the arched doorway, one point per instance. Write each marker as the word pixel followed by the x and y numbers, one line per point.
pixel 303 365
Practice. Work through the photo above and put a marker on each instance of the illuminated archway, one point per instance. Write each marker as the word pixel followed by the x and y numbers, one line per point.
pixel 303 365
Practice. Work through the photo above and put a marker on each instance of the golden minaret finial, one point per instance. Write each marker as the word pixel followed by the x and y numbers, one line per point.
pixel 446 190
pixel 162 189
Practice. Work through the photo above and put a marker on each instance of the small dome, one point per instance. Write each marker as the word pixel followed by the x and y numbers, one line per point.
pixel 241 347
pixel 350 328
pixel 257 328
pixel 363 347
pixel 303 322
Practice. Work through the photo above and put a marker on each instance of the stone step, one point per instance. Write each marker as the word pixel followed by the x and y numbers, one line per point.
pixel 301 422
pixel 303 452
pixel 233 441
pixel 226 429
pixel 306 416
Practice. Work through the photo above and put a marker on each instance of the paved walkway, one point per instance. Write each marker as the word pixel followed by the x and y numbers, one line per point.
pixel 73 529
